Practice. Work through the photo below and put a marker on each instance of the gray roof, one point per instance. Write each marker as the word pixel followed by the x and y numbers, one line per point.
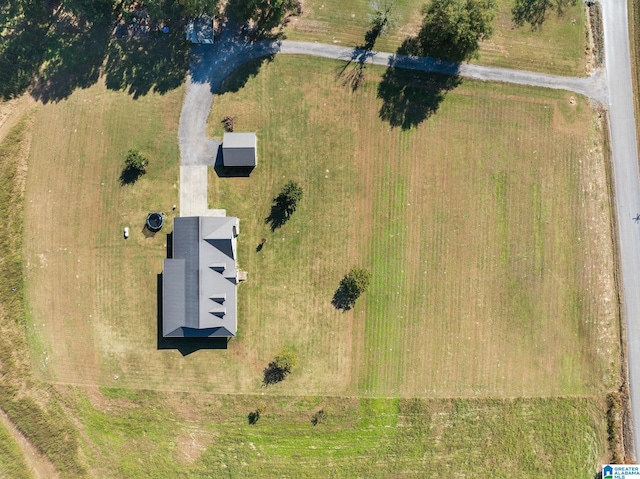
pixel 199 281
pixel 239 149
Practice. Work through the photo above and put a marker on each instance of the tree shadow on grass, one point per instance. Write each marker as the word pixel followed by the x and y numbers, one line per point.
pixel 139 65
pixel 410 97
pixel 352 74
pixel 239 78
pixel 129 176
pixel 253 417
pixel 57 49
pixel 278 216
pixel 343 299
pixel 273 375
pixel 22 50
pixel 415 84
pixel 534 12
pixel 81 47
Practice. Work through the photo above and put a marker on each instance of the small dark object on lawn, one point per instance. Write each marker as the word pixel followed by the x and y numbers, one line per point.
pixel 228 122
pixel 155 221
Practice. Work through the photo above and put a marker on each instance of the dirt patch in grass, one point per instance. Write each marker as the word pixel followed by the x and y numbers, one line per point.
pixel 38 464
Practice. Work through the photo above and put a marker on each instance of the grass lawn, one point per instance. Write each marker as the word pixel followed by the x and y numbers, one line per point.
pixel 143 434
pixel 91 295
pixel 486 228
pixel 634 40
pixel 12 461
pixel 558 47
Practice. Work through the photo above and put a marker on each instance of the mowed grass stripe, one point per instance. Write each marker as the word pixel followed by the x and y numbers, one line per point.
pixel 465 194
pixel 557 47
pixel 374 437
pixel 497 179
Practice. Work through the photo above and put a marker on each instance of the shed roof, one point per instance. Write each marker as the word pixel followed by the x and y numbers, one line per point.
pixel 239 140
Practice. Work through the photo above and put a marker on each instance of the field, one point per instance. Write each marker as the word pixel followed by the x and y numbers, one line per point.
pixel 466 222
pixel 558 47
pixel 487 229
pixel 12 463
pixel 464 232
pixel 145 434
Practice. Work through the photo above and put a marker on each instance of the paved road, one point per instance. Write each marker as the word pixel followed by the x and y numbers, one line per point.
pixel 627 181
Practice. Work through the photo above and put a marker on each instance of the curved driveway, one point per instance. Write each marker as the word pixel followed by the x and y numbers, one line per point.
pixel 213 64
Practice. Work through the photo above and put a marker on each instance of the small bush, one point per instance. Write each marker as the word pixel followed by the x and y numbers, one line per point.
pixel 254 416
pixel 351 287
pixel 228 123
pixel 135 165
pixel 136 161
pixel 319 417
pixel 280 367
pixel 284 205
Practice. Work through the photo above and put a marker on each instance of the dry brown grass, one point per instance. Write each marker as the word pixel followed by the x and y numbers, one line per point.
pixel 486 227
pixel 557 47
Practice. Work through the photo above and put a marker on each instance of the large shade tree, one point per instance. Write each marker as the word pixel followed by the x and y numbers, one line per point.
pixel 452 29
pixel 534 12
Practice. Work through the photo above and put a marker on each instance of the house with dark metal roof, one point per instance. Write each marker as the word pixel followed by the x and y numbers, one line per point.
pixel 240 149
pixel 200 278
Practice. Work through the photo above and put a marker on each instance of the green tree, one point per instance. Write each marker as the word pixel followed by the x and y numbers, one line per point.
pixel 280 367
pixel 452 29
pixel 289 197
pixel 136 161
pixel 351 287
pixel 265 14
pixel 534 12
pixel 194 8
pixel 135 165
pixel 286 360
pixel 284 205
pixel 381 18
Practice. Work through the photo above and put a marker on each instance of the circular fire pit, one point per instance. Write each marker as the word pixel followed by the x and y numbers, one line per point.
pixel 155 221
